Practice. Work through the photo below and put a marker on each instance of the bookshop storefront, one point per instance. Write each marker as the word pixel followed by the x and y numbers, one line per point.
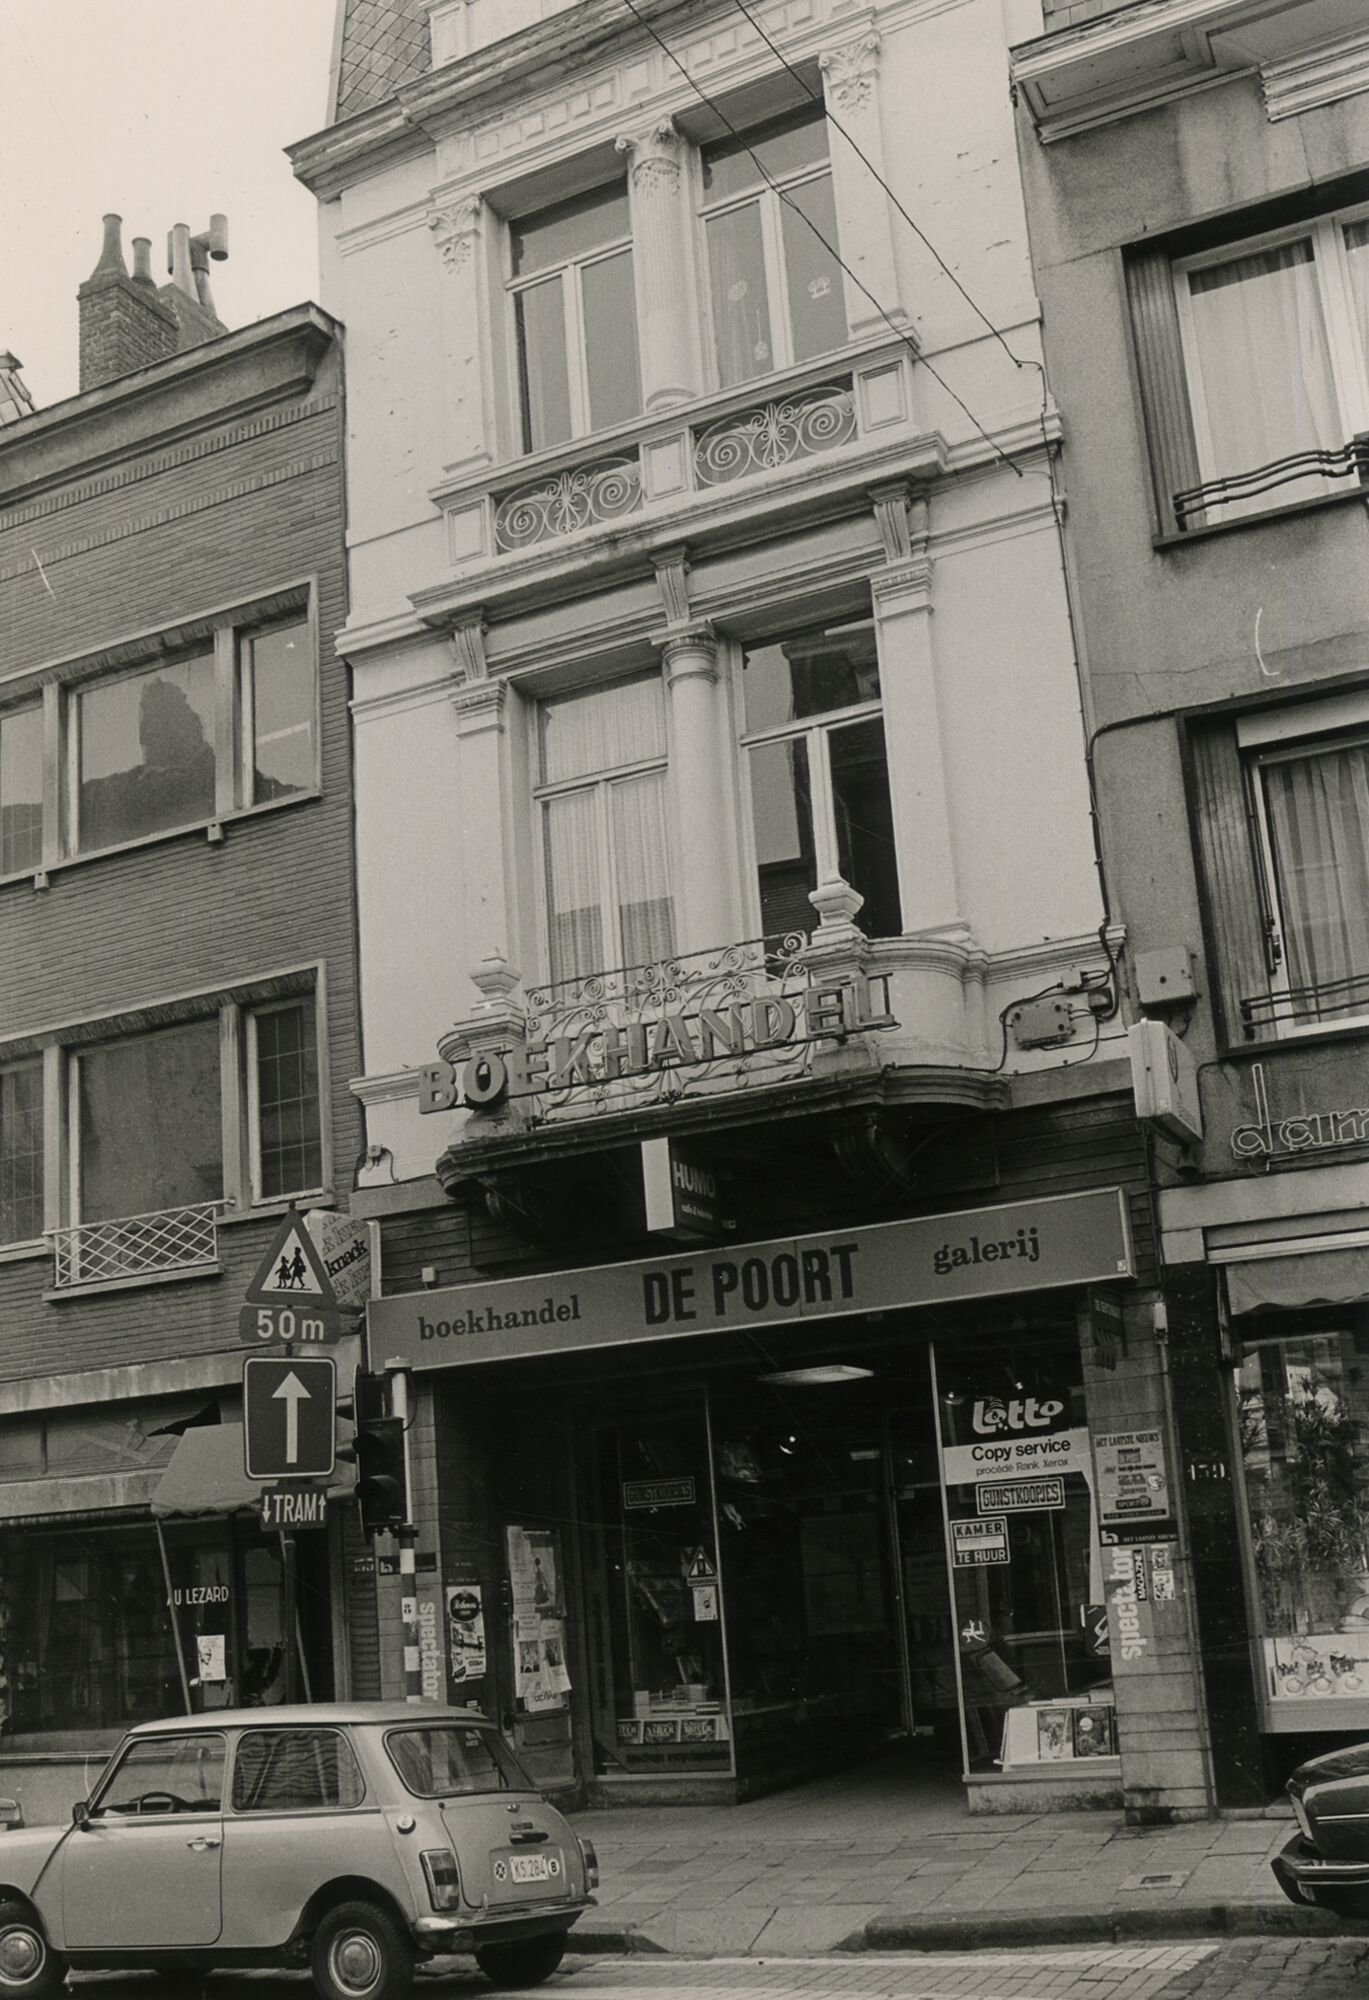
pixel 757 1514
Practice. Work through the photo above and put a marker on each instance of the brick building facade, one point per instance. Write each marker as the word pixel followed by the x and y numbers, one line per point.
pixel 176 996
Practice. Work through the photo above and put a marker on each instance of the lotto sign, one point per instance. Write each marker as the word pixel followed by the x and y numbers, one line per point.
pixel 976 1544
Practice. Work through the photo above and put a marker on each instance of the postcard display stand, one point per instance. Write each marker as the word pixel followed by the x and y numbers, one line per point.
pixel 1060 1731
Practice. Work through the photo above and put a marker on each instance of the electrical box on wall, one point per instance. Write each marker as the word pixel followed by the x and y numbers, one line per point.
pixel 1041 1024
pixel 1165 978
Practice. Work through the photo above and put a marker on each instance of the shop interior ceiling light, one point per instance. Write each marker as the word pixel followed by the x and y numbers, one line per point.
pixel 822 1371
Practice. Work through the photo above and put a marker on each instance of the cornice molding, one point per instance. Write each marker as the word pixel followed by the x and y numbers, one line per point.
pixel 1317 76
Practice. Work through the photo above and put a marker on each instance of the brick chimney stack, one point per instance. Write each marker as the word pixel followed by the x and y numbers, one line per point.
pixel 124 324
pixel 130 322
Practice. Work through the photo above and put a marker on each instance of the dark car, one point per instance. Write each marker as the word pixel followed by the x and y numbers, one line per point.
pixel 1327 1862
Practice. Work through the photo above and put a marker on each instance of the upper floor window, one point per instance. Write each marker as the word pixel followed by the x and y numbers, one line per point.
pixel 819 776
pixel 1281 821
pixel 1311 802
pixel 21 1150
pixel 602 804
pixel 21 789
pixel 230 725
pixel 775 288
pixel 575 318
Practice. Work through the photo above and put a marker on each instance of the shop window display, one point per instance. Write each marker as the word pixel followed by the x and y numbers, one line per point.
pixel 1026 1568
pixel 1303 1412
pixel 665 1613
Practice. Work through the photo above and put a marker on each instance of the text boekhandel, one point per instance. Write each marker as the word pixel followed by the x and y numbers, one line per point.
pixel 1018 1247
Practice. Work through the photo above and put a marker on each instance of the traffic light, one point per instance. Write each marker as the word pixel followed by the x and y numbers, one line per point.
pixel 378 1453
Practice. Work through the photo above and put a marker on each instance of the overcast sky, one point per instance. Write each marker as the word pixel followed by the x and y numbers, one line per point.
pixel 162 111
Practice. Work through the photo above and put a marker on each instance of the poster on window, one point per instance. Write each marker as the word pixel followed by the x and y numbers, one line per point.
pixel 465 1633
pixel 541 1679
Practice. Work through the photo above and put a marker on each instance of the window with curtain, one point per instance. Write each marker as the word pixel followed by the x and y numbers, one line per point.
pixel 1275 338
pixel 601 802
pixel 283 1086
pixel 1312 810
pixel 770 228
pixel 819 777
pixel 574 318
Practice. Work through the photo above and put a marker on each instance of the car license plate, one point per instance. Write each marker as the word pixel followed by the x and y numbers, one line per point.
pixel 533 1867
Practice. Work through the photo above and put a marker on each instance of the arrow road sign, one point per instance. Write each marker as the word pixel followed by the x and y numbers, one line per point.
pixel 289 1411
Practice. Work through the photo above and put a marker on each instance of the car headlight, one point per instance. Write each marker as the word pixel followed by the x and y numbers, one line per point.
pixel 591 1861
pixel 443 1877
pixel 1300 1815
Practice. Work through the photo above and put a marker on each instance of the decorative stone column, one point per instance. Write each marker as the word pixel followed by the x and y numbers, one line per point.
pixel 662 263
pixel 707 888
pixel 479 797
pixel 850 76
pixel 902 594
pixel 464 314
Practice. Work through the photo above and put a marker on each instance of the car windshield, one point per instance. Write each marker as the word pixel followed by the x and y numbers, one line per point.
pixel 445 1760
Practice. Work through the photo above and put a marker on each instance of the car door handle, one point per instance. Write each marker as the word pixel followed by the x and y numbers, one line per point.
pixel 201 1844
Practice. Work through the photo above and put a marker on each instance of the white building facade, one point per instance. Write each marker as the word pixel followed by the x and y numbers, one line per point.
pixel 720 785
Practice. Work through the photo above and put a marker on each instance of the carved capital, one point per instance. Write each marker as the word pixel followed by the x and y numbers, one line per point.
pixel 653 158
pixel 890 503
pixel 456 227
pixel 690 652
pixel 479 705
pixel 849 72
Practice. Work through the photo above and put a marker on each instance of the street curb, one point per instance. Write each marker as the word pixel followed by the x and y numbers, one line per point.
pixel 980 1932
pixel 1022 1930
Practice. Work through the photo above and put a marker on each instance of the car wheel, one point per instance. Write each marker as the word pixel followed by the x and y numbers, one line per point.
pixel 525 1964
pixel 359 1952
pixel 29 1968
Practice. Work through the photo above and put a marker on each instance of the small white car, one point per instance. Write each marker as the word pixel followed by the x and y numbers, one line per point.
pixel 354 1838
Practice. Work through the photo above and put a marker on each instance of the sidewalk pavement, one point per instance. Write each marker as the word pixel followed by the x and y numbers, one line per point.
pixel 833 1866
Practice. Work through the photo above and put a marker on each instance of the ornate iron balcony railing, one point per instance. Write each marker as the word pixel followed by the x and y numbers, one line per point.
pixel 580 496
pixel 1347 461
pixel 136 1246
pixel 710 988
pixel 775 433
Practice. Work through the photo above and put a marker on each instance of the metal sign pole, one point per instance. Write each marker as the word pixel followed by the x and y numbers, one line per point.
pixel 289 1619
pixel 175 1621
pixel 407 1535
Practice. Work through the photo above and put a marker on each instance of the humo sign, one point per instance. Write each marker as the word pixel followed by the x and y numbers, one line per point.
pixel 604 1053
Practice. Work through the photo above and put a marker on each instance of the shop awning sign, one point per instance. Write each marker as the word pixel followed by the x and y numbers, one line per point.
pixel 659 1492
pixel 1026 1246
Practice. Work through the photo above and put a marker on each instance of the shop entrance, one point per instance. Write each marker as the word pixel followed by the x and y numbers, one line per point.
pixel 797 1568
pixel 774 1591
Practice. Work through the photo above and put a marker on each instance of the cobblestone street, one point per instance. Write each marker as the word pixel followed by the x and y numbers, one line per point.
pixel 1307 1968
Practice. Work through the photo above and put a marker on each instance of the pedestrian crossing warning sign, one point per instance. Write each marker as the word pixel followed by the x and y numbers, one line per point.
pixel 702 1568
pixel 291 1272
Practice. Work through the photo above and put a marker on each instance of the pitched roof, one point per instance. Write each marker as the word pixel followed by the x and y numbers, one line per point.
pixel 384 44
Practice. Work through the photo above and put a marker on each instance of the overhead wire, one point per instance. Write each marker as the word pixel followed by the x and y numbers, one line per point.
pixel 817 97
pixel 831 248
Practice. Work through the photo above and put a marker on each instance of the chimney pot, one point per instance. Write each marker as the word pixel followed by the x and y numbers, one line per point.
pixel 142 261
pixel 178 259
pixel 112 250
pixel 218 237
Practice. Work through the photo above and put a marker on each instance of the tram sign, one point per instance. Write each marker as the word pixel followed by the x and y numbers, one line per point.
pixel 300 1506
